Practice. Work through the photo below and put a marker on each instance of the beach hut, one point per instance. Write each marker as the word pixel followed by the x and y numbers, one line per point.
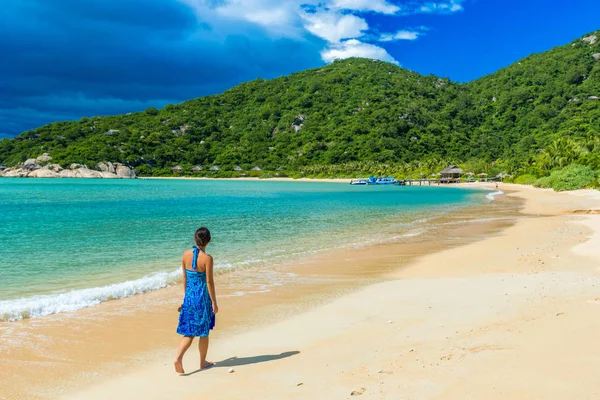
pixel 237 168
pixel 214 168
pixel 279 169
pixel 176 168
pixel 451 174
pixel 196 169
pixel 2 167
pixel 255 169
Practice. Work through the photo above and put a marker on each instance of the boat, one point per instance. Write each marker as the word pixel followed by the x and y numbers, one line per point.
pixel 359 181
pixel 388 180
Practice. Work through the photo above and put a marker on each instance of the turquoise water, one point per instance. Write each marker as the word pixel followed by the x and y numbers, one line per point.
pixel 71 243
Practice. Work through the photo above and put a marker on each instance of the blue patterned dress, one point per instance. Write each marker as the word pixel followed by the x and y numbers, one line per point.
pixel 196 317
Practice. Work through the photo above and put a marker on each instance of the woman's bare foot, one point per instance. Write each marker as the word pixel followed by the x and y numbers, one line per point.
pixel 206 364
pixel 179 367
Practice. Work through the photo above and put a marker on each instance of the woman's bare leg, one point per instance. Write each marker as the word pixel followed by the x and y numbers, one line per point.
pixel 203 348
pixel 185 344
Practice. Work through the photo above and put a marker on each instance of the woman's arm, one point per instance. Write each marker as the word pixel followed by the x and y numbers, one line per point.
pixel 184 279
pixel 211 284
pixel 184 275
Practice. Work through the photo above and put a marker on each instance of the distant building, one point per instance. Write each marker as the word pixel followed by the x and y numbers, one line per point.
pixel 214 168
pixel 176 168
pixel 256 169
pixel 2 167
pixel 451 174
pixel 237 168
pixel 197 168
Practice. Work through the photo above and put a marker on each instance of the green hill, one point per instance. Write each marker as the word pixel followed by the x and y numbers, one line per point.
pixel 355 115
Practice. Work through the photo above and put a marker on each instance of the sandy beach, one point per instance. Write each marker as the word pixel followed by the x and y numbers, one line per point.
pixel 500 309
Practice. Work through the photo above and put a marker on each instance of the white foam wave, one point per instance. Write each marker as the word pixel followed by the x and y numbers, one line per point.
pixel 492 196
pixel 41 305
pixel 47 304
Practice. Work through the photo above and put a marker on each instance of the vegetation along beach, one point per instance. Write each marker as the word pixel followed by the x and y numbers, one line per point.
pixel 376 221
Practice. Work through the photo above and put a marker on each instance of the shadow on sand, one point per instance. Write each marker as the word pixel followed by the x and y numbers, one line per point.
pixel 237 361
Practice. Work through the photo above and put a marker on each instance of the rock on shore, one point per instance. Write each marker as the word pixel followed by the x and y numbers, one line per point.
pixel 31 169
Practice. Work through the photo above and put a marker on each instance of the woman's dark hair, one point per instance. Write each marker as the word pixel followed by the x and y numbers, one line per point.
pixel 202 236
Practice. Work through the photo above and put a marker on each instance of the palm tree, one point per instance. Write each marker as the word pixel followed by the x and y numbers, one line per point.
pixel 560 153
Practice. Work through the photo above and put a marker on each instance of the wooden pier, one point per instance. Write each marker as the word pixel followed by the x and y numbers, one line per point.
pixel 427 182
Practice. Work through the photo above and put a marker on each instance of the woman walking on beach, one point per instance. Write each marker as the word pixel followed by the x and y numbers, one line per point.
pixel 197 313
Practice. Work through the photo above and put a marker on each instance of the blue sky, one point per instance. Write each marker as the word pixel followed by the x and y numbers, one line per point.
pixel 65 59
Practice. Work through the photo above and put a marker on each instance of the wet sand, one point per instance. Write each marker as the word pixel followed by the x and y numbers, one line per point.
pixel 52 356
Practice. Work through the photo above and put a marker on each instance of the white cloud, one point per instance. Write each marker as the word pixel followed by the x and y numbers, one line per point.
pixel 267 13
pixel 377 6
pixel 341 23
pixel 449 7
pixel 356 48
pixel 400 35
pixel 334 27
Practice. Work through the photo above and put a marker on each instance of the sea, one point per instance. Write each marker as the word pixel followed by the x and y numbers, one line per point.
pixel 67 244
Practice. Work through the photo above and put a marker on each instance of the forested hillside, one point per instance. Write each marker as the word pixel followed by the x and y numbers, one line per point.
pixel 355 116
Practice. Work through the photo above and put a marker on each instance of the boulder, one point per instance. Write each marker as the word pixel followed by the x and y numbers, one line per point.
pixel 74 166
pixel 108 175
pixel 596 56
pixel 67 173
pixel 15 173
pixel 30 161
pixel 32 167
pixel 592 39
pixel 54 167
pixel 593 98
pixel 84 172
pixel 106 167
pixel 44 173
pixel 124 171
pixel 44 158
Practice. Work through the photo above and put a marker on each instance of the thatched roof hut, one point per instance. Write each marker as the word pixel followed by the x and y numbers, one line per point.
pixel 256 169
pixel 177 168
pixel 238 168
pixel 214 168
pixel 451 172
pixel 197 168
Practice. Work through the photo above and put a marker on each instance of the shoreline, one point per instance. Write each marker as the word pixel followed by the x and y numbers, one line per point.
pixel 56 301
pixel 304 284
pixel 408 281
pixel 490 319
